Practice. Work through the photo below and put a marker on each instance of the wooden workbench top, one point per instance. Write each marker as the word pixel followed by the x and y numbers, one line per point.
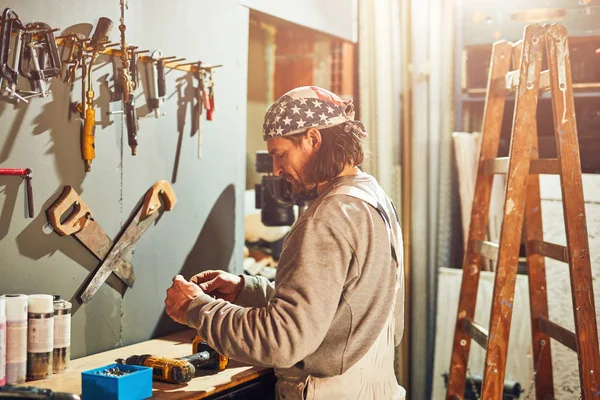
pixel 206 383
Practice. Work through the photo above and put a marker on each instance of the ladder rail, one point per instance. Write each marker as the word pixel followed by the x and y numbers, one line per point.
pixel 565 132
pixel 514 207
pixel 492 124
pixel 536 269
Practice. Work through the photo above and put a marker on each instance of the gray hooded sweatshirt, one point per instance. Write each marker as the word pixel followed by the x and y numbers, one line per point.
pixel 335 283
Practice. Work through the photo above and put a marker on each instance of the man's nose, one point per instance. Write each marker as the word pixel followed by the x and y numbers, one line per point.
pixel 277 170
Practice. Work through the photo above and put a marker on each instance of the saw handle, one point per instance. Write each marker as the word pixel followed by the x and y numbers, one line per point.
pixel 152 200
pixel 78 217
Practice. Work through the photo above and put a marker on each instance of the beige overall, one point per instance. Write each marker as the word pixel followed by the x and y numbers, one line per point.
pixel 372 377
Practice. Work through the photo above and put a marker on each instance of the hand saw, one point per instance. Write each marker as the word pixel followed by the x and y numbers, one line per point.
pixel 80 223
pixel 145 216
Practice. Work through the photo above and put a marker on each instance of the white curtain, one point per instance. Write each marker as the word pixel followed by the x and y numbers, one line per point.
pixel 380 72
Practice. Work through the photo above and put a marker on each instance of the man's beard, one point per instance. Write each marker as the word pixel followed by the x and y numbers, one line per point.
pixel 305 187
pixel 300 188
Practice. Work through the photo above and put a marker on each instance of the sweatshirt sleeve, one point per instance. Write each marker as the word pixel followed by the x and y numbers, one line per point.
pixel 256 292
pixel 310 278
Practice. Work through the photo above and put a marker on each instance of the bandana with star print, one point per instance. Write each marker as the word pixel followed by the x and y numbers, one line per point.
pixel 309 107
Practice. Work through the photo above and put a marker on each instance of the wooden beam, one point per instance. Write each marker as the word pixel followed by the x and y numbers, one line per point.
pixel 510 82
pixel 543 166
pixel 486 249
pixel 558 333
pixel 550 250
pixel 477 332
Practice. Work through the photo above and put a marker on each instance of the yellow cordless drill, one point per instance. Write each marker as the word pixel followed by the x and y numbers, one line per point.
pixel 180 370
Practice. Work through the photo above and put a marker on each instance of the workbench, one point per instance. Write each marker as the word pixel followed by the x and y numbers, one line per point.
pixel 237 382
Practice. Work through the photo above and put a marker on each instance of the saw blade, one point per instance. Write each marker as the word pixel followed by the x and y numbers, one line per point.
pixel 93 237
pixel 134 231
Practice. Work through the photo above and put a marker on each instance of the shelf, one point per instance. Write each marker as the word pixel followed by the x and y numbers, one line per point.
pixel 478 97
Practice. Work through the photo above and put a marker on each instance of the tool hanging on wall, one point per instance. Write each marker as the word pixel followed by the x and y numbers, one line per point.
pixel 203 102
pixel 76 42
pixel 145 215
pixel 158 87
pixel 131 118
pixel 204 95
pixel 210 85
pixel 157 76
pixel 39 59
pixel 95 46
pixel 69 215
pixel 9 60
pixel 129 82
pixel 26 174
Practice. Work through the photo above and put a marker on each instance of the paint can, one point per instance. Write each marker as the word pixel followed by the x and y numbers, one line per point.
pixel 16 338
pixel 61 358
pixel 2 341
pixel 40 338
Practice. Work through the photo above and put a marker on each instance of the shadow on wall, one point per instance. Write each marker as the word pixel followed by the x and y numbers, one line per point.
pixel 187 99
pixel 213 249
pixel 10 188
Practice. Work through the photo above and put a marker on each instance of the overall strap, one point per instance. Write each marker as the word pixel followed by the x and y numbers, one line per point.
pixel 360 194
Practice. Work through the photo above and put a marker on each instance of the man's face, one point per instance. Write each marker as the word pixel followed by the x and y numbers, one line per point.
pixel 292 161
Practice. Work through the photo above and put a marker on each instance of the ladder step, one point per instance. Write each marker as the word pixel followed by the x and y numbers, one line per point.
pixel 510 82
pixel 550 250
pixel 486 249
pixel 477 332
pixel 547 166
pixel 558 333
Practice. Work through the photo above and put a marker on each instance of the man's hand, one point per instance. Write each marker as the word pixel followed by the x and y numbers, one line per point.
pixel 219 284
pixel 179 296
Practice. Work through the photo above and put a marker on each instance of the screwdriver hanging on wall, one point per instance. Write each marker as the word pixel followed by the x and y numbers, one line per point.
pixel 210 84
pixel 131 118
pixel 204 96
pixel 27 175
pixel 158 87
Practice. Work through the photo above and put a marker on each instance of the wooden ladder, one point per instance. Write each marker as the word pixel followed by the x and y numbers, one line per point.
pixel 522 203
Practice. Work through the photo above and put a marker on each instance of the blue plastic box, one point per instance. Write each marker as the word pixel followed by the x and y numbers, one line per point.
pixel 136 385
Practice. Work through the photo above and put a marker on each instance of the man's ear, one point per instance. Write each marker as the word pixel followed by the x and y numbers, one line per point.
pixel 315 138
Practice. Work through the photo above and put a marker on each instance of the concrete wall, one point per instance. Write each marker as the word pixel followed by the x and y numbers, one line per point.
pixel 205 229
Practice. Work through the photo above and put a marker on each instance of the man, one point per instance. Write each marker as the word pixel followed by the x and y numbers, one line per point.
pixel 329 322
